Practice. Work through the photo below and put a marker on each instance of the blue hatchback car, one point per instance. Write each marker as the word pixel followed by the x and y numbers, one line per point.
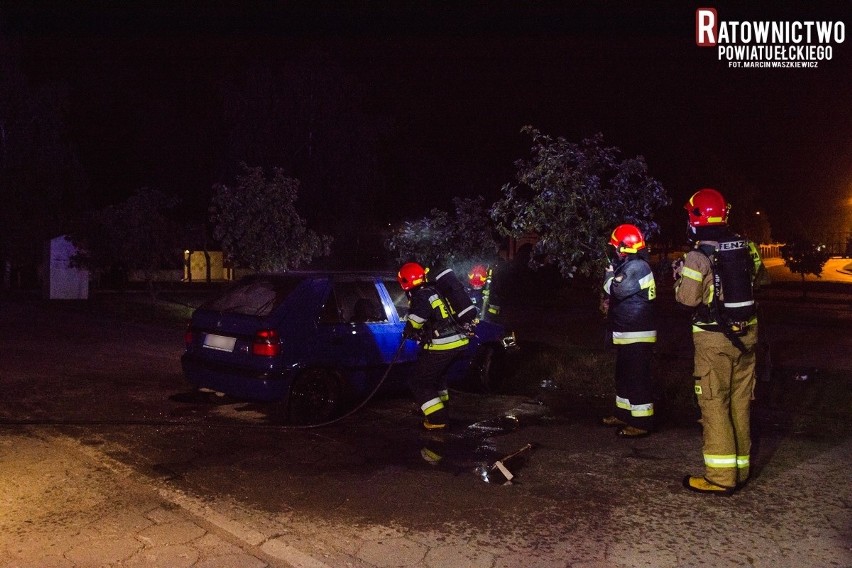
pixel 315 343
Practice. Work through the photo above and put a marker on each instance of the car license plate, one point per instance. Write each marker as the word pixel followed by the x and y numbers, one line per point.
pixel 219 342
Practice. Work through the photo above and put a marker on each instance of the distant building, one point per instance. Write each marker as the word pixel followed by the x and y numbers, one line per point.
pixel 770 250
pixel 206 266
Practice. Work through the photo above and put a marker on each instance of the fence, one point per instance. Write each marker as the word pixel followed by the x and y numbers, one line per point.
pixel 771 250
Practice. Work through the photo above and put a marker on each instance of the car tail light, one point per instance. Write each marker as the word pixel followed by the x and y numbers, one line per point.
pixel 188 337
pixel 266 343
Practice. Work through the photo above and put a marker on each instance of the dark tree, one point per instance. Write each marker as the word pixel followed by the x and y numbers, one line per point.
pixel 571 196
pixel 460 240
pixel 258 224
pixel 804 257
pixel 139 234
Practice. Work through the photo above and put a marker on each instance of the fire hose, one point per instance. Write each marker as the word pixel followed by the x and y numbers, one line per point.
pixel 361 404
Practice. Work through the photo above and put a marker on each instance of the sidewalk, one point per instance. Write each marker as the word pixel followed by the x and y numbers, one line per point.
pixel 64 504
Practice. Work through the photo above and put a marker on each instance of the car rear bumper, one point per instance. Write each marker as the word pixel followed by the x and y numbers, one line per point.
pixel 250 384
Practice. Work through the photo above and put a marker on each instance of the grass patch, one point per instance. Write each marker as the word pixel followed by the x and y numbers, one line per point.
pixel 573 370
pixel 674 388
pixel 568 380
pixel 574 378
pixel 820 405
pixel 169 308
pixel 581 380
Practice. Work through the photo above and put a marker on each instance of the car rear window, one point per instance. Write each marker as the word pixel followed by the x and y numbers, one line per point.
pixel 255 297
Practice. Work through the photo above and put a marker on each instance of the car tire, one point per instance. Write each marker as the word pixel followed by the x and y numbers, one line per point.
pixel 483 378
pixel 316 396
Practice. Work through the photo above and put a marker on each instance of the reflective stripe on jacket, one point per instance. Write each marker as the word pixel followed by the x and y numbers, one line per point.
pixel 428 310
pixel 632 290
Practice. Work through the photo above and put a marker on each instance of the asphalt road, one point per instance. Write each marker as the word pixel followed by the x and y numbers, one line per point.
pixel 126 468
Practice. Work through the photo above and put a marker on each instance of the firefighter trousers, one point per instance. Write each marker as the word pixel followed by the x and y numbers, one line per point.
pixel 428 381
pixel 724 386
pixel 634 392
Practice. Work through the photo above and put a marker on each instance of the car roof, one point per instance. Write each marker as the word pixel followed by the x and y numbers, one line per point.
pixel 322 274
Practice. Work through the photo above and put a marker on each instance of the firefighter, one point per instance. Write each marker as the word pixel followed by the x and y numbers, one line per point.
pixel 631 289
pixel 479 280
pixel 441 341
pixel 717 278
pixel 477 277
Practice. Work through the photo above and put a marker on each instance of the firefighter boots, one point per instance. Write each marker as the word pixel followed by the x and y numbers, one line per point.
pixel 434 425
pixel 612 421
pixel 632 432
pixel 701 485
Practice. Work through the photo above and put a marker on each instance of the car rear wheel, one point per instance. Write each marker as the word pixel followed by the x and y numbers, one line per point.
pixel 315 397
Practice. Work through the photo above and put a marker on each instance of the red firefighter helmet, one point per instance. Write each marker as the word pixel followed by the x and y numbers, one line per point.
pixel 627 239
pixel 477 276
pixel 411 275
pixel 707 207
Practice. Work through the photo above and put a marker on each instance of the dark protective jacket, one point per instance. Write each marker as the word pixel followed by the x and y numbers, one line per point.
pixel 487 304
pixel 632 289
pixel 430 316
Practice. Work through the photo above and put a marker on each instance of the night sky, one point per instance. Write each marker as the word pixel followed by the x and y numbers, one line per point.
pixel 451 89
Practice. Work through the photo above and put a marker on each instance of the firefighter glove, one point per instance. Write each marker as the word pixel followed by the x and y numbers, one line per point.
pixel 408 332
pixel 677 268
